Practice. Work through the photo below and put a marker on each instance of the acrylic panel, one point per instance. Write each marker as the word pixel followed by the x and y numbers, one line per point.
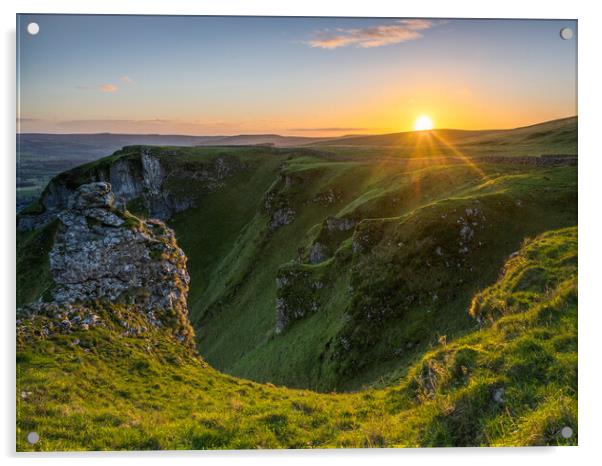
pixel 295 232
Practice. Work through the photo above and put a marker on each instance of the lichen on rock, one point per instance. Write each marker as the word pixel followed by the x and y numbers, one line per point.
pixel 102 252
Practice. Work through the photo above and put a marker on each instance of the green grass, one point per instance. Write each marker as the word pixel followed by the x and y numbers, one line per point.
pixel 549 138
pixel 234 258
pixel 34 279
pixel 432 325
pixel 511 381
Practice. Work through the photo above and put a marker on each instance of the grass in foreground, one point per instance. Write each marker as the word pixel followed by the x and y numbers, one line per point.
pixel 512 381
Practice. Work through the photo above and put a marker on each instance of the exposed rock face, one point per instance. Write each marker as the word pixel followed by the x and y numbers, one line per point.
pixel 318 253
pixel 298 296
pixel 339 224
pixel 277 204
pixel 153 174
pixel 103 253
pixel 124 180
pixel 144 180
pixel 56 194
pixel 63 319
pixel 140 176
pixel 328 197
pixel 130 179
pixel 281 217
pixel 472 220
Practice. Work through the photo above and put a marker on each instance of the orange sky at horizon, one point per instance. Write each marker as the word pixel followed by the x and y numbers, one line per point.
pixel 290 76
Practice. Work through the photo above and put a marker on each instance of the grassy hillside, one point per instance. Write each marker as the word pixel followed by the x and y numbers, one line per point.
pixel 332 268
pixel 553 137
pixel 33 267
pixel 414 271
pixel 556 134
pixel 510 381
pixel 403 291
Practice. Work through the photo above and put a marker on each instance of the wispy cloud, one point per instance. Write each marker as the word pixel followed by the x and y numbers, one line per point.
pixel 108 88
pixel 101 87
pixel 126 79
pixel 376 36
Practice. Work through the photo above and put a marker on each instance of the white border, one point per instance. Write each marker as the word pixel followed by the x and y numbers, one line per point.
pixel 590 171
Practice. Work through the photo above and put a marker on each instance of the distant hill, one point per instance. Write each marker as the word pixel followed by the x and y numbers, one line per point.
pixel 565 129
pixel 562 132
pixel 270 139
pixel 110 142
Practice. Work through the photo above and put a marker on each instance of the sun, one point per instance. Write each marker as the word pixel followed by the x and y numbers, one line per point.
pixel 422 123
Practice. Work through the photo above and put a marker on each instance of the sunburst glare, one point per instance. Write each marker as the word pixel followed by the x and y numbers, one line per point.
pixel 423 123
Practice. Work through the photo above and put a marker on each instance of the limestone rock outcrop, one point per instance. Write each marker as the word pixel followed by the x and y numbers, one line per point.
pixel 155 180
pixel 102 252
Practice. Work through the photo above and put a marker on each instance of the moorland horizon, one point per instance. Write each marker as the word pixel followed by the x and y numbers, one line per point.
pixel 308 136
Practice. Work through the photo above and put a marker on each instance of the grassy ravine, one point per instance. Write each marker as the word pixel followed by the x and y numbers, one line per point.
pixel 511 381
pixel 404 210
pixel 392 283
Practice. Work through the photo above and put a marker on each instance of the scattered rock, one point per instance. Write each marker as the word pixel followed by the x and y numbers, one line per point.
pixel 281 217
pixel 498 395
pixel 318 253
pixel 91 320
pixel 298 296
pixel 339 224
pixel 65 325
pixel 466 233
pixel 328 197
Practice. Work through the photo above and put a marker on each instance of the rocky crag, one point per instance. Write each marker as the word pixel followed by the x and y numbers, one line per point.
pixel 150 178
pixel 102 253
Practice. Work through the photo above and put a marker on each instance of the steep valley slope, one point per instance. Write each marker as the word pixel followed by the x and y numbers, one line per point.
pixel 112 381
pixel 325 270
pixel 441 281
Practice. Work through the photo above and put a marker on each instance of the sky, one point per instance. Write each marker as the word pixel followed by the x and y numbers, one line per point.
pixel 291 76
